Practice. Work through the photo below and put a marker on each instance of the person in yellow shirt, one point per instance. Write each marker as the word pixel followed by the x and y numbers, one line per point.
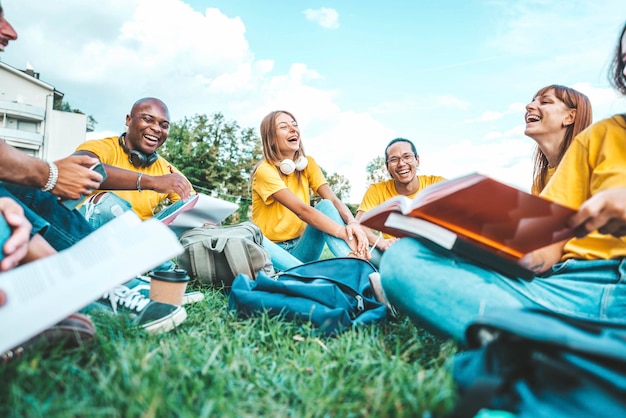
pixel 282 183
pixel 583 277
pixel 555 115
pixel 402 162
pixel 140 178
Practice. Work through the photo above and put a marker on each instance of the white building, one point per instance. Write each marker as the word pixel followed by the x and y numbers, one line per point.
pixel 28 121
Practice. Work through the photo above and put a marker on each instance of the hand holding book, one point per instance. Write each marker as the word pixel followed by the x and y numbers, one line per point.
pixel 476 212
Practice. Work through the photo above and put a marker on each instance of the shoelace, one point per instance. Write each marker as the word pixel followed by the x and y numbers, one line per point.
pixel 128 298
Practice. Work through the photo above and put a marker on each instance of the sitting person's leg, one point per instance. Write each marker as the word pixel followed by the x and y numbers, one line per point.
pixel 337 246
pixel 443 292
pixel 439 290
pixel 102 208
pixel 281 258
pixel 66 227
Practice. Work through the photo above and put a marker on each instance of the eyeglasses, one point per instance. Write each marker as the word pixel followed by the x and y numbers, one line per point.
pixel 407 158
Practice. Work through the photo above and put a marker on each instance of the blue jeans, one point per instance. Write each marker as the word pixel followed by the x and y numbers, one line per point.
pixel 309 246
pixel 108 207
pixel 65 227
pixel 443 292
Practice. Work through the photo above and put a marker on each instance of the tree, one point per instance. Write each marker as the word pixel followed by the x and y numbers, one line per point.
pixel 217 156
pixel 376 170
pixel 340 185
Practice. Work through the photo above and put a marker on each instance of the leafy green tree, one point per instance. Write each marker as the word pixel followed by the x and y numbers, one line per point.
pixel 217 156
pixel 376 170
pixel 340 185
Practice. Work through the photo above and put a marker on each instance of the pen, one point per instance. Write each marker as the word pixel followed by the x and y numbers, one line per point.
pixel 380 235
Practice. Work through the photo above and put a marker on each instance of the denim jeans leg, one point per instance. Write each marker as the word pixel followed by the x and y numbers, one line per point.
pixel 589 289
pixel 440 291
pixel 281 258
pixel 38 224
pixel 337 246
pixel 67 227
pixel 108 206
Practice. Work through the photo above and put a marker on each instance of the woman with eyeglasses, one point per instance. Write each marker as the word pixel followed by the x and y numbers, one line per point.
pixel 402 162
pixel 282 183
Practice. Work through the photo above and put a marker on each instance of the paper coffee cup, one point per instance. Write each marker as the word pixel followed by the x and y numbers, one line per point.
pixel 168 286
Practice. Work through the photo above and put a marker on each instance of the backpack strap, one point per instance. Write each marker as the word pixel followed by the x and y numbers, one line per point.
pixel 200 266
pixel 239 258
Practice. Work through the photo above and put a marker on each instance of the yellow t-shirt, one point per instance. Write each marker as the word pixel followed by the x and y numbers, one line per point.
pixel 595 161
pixel 382 191
pixel 276 221
pixel 110 152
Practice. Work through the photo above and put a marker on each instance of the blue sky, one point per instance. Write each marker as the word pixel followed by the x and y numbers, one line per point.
pixel 452 76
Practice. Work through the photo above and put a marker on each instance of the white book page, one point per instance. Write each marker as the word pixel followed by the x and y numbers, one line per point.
pixel 207 209
pixel 417 226
pixel 41 293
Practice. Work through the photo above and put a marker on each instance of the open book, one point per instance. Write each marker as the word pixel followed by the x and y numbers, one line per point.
pixel 207 209
pixel 168 214
pixel 479 211
pixel 41 293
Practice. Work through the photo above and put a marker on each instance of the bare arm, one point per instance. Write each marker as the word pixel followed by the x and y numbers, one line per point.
pixel 74 177
pixel 352 226
pixel 19 168
pixel 314 217
pixel 122 179
pixel 541 260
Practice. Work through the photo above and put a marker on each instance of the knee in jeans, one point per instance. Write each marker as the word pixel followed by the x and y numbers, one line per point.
pixel 324 204
pixel 103 207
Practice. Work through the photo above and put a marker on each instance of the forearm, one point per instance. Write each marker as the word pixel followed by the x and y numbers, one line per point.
pixel 344 211
pixel 543 259
pixel 318 220
pixel 20 168
pixel 121 179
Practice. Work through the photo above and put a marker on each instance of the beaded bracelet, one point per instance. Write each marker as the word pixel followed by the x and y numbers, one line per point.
pixel 53 177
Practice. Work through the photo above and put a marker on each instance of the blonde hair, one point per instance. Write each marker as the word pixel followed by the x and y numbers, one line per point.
pixel 268 138
pixel 573 99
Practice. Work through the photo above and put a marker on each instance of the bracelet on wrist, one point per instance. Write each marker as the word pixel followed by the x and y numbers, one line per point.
pixel 139 181
pixel 53 177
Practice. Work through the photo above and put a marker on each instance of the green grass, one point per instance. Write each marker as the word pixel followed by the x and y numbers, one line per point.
pixel 218 365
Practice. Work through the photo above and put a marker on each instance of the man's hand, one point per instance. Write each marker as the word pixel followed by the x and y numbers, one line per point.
pixel 604 211
pixel 174 182
pixel 16 247
pixel 76 179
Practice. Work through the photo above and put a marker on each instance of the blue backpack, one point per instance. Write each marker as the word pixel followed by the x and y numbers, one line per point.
pixel 333 294
pixel 534 363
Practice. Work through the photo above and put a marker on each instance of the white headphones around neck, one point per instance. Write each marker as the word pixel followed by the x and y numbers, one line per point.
pixel 287 166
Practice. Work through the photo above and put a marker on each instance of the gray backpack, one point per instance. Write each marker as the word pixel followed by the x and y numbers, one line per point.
pixel 215 255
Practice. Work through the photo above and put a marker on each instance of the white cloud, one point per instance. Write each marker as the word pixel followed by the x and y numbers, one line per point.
pixel 487 116
pixel 325 17
pixel 199 62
